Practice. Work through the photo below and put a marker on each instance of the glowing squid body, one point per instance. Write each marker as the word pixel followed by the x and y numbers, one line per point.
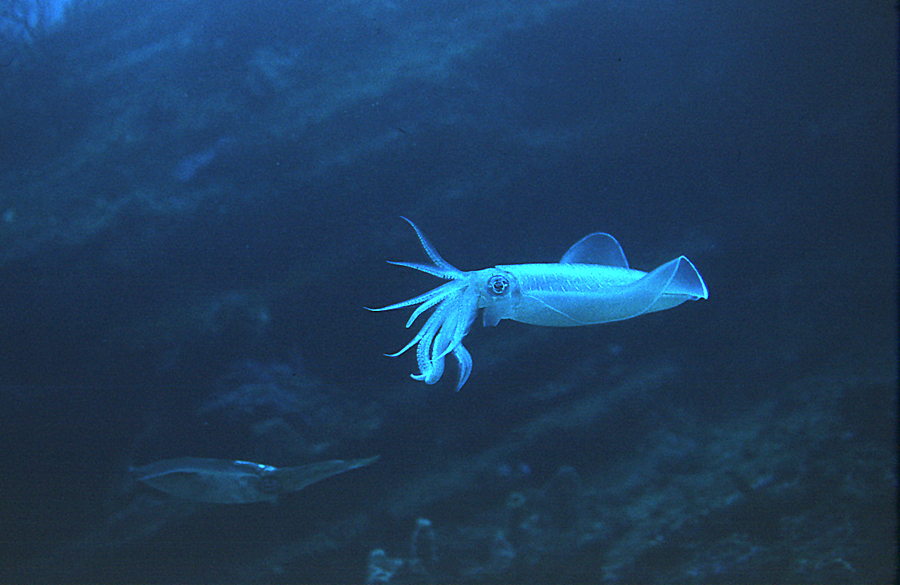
pixel 592 283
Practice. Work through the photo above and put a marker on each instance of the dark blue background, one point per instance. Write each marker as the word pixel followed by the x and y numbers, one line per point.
pixel 198 194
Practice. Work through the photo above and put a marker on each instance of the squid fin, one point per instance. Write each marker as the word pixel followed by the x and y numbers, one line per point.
pixel 597 248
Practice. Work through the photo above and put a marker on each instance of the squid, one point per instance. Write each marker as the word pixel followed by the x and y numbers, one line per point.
pixel 219 481
pixel 591 284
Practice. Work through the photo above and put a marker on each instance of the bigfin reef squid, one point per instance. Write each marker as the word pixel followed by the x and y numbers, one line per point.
pixel 591 284
pixel 221 481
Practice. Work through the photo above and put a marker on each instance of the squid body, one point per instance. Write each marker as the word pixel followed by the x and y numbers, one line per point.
pixel 592 283
pixel 219 481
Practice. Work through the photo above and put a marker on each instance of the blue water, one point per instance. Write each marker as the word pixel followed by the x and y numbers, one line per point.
pixel 197 200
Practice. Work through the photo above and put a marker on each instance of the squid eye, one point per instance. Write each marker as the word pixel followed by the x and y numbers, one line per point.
pixel 498 285
pixel 269 485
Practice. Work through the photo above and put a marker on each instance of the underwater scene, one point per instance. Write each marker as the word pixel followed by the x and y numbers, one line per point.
pixel 448 291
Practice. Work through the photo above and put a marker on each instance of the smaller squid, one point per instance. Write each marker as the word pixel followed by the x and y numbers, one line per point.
pixel 592 283
pixel 220 481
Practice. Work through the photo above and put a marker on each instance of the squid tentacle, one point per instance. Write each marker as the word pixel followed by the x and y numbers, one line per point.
pixel 438 299
pixel 441 291
pixel 432 270
pixel 443 334
pixel 433 253
pixel 464 358
pixel 462 318
pixel 424 355
pixel 455 306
